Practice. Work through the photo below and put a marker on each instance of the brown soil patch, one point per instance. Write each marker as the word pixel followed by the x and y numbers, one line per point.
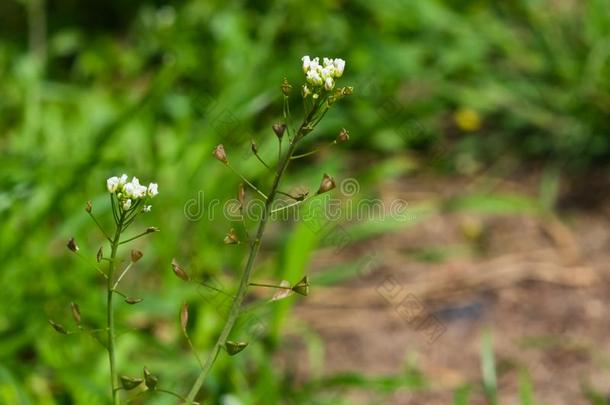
pixel 538 283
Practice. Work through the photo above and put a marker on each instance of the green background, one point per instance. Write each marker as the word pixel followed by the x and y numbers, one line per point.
pixel 94 89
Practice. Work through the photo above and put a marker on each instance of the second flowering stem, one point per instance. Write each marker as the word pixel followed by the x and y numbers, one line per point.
pixel 254 249
pixel 114 246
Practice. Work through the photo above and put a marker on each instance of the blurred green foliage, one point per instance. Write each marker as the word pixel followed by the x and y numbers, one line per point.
pixel 97 88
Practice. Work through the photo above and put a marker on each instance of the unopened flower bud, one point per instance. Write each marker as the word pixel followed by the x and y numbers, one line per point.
pixel 231 237
pixel 343 136
pixel 133 300
pixel 178 271
pixel 327 184
pixel 75 312
pixel 339 67
pixel 219 154
pixel 72 245
pixel 254 147
pixel 184 316
pixel 129 383
pixel 286 87
pixel 88 207
pixel 234 347
pixel 302 287
pixel 279 129
pixel 136 255
pixel 152 229
pixel 58 327
pixel 306 91
pixel 100 255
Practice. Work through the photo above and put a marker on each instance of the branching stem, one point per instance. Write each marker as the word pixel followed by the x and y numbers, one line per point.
pixel 247 181
pixel 110 310
pixel 254 249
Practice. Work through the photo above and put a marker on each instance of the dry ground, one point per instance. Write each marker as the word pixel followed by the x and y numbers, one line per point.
pixel 538 283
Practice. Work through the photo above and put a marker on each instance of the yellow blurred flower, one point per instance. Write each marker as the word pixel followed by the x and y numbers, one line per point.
pixel 467 119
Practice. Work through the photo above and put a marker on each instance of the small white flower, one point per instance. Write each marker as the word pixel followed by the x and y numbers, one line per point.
pixel 134 189
pixel 126 204
pixel 326 72
pixel 318 75
pixel 147 208
pixel 112 184
pixel 123 180
pixel 314 64
pixel 339 67
pixel 306 63
pixel 153 189
pixel 314 78
pixel 129 190
pixel 141 191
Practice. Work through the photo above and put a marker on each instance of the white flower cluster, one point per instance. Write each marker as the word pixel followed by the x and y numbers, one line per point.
pixel 129 193
pixel 319 75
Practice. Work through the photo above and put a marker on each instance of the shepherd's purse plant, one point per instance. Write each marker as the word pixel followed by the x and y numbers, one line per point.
pixel 130 199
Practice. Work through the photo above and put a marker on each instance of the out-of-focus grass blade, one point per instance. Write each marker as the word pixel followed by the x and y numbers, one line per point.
pixel 488 368
pixel 391 383
pixel 526 389
pixel 461 395
pixel 10 390
pixel 549 188
pixel 494 204
pixel 294 261
pixel 388 223
pixel 595 397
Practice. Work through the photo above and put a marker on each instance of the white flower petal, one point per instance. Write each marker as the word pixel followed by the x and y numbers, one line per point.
pixel 339 67
pixel 112 184
pixel 153 189
pixel 306 62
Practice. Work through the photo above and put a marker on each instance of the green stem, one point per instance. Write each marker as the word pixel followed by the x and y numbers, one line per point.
pixel 110 311
pixel 91 264
pixel 285 207
pixel 100 226
pixel 314 151
pixel 118 280
pixel 245 279
pixel 246 181
pixel 270 286
pixel 260 159
pixel 216 289
pixel 234 312
pixel 290 196
pixel 170 393
pixel 293 204
pixel 120 293
pixel 135 237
